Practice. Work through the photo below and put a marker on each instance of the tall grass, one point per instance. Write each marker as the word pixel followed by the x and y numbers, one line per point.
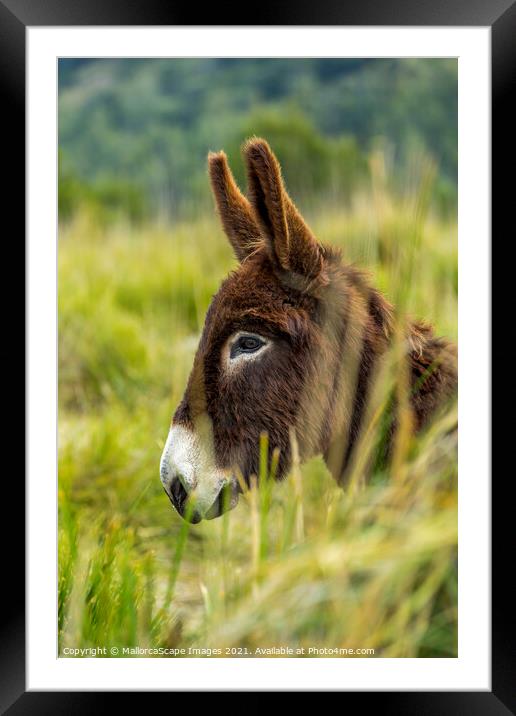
pixel 303 563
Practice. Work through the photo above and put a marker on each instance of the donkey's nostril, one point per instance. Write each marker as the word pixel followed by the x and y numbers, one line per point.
pixel 179 494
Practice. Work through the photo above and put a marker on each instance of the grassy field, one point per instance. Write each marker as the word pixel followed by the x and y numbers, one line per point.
pixel 304 565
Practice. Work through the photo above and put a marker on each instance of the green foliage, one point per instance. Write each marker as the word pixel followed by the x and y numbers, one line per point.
pixel 107 200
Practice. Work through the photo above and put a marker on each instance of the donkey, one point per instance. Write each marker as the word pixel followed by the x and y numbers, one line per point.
pixel 289 347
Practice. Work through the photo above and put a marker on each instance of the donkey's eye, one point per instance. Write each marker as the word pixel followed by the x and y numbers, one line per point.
pixel 246 344
pixel 249 343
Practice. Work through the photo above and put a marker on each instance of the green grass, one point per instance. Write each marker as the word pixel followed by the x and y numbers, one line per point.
pixel 302 563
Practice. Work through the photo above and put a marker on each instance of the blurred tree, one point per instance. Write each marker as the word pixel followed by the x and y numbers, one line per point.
pixel 107 199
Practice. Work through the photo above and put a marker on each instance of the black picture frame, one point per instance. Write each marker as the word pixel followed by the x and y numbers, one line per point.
pixel 500 16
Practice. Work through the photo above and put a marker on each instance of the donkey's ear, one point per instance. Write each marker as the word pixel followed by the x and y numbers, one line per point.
pixel 292 244
pixel 234 209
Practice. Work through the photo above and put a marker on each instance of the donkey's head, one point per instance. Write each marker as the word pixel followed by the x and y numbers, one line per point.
pixel 267 356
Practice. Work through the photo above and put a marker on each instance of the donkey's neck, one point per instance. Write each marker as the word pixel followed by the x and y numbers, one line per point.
pixel 361 330
pixel 364 320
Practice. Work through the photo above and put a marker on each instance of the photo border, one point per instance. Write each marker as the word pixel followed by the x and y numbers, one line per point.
pixel 501 17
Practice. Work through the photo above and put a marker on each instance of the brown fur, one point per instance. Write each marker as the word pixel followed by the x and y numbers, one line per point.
pixel 329 328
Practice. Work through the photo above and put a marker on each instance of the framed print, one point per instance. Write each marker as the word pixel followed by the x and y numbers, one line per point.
pixel 258 366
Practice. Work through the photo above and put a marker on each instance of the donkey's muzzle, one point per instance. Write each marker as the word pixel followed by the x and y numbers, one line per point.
pixel 195 485
pixel 178 496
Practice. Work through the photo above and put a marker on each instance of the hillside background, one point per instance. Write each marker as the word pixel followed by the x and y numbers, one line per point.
pixel 133 134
